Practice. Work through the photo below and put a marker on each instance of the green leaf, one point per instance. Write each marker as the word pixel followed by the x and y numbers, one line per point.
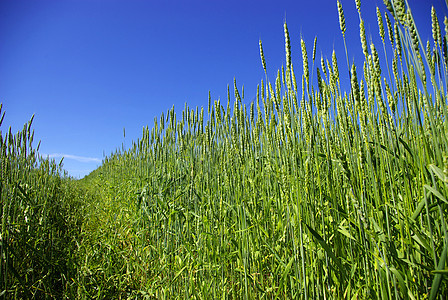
pixel 418 210
pixel 25 195
pixel 400 282
pixel 438 278
pixel 445 271
pixel 435 193
pixel 285 273
pixel 421 240
pixel 178 273
pixel 330 253
pixel 342 229
pixel 287 269
pixel 437 171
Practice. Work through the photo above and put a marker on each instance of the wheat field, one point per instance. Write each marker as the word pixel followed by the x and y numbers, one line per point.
pixel 317 189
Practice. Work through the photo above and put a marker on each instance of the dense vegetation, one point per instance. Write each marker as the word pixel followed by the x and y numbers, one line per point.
pixel 41 215
pixel 308 192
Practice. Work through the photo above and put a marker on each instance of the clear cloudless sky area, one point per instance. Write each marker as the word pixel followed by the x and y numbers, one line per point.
pixel 89 68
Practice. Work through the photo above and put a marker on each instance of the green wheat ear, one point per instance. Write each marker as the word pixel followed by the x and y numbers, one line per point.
pixel 287 47
pixel 334 63
pixel 355 87
pixel 445 22
pixel 362 34
pixel 322 64
pixel 314 48
pixel 444 42
pixel 397 39
pixel 263 61
pixel 358 6
pixel 380 24
pixel 390 29
pixel 400 10
pixel 413 32
pixel 376 61
pixel 306 72
pixel 341 18
pixel 436 34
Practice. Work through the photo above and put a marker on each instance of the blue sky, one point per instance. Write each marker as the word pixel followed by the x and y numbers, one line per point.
pixel 89 68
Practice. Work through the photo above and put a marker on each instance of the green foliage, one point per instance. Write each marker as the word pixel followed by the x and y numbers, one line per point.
pixel 41 214
pixel 336 195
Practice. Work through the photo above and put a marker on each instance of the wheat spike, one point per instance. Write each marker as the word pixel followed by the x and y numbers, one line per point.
pixel 341 18
pixel 362 34
pixel 358 6
pixel 263 61
pixel 436 34
pixel 287 47
pixel 390 29
pixel 305 61
pixel 380 23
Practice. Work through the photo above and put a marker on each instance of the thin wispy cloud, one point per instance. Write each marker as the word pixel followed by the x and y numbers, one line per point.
pixel 82 159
